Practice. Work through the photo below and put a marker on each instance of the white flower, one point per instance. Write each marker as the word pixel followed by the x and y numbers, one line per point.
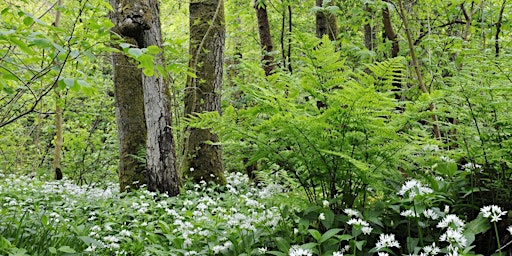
pixel 409 213
pixel 451 221
pixel 429 213
pixel 366 230
pixel 413 188
pixel 357 222
pixel 454 237
pixel 321 216
pixel 386 241
pixel 111 239
pixel 337 254
pixel 383 254
pixel 125 232
pixel 325 203
pixel 295 250
pixel 492 211
pixel 351 212
pixel 446 159
pixel 509 229
pixel 262 250
pixel 431 249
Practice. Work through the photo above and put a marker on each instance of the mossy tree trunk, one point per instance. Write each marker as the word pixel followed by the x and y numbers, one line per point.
pixel 139 20
pixel 265 37
pixel 326 23
pixel 203 155
pixel 131 124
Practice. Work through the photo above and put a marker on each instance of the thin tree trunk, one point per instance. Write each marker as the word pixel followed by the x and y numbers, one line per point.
pixel 369 29
pixel 59 140
pixel 389 32
pixel 203 155
pixel 415 63
pixel 140 20
pixel 326 23
pixel 265 37
pixel 498 29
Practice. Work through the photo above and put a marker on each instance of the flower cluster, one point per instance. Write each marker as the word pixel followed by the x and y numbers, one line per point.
pixel 493 212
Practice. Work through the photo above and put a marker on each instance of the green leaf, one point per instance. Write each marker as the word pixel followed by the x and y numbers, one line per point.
pixel 28 21
pixel 52 250
pixel 330 233
pixel 125 45
pixel 153 49
pixel 44 220
pixel 67 249
pixel 42 43
pixel 136 52
pixel 282 244
pixel 24 47
pixel 276 253
pixel 479 225
pixel 412 243
pixel 315 234
pixel 329 219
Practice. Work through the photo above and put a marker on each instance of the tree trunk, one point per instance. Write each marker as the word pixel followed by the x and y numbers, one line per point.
pixel 369 29
pixel 326 23
pixel 423 88
pixel 131 124
pixel 203 157
pixel 389 32
pixel 140 20
pixel 59 111
pixel 265 37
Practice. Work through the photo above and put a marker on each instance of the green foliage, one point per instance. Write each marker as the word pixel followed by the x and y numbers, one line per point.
pixel 331 129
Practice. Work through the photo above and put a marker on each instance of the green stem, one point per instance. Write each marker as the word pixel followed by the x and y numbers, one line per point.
pixel 497 237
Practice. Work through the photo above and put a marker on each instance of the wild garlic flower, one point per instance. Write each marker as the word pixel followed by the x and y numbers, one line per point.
pixel 454 237
pixel 351 212
pixel 492 211
pixel 409 213
pixel 430 214
pixel 325 203
pixel 366 230
pixel 509 229
pixel 337 254
pixel 413 187
pixel 358 222
pixel 387 241
pixel 295 250
pixel 451 221
pixel 321 216
pixel 383 254
pixel 431 249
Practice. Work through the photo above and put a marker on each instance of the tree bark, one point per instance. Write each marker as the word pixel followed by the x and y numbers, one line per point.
pixel 389 32
pixel 265 37
pixel 140 21
pixel 203 155
pixel 326 23
pixel 59 119
pixel 369 30
pixel 498 29
pixel 131 124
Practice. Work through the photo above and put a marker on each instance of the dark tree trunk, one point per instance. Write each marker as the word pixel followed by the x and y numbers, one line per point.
pixel 326 23
pixel 265 37
pixel 131 124
pixel 389 32
pixel 369 29
pixel 203 156
pixel 140 21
